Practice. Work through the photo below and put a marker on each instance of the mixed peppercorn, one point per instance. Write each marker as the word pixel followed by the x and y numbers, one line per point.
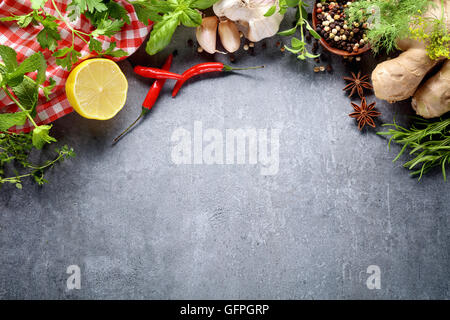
pixel 336 30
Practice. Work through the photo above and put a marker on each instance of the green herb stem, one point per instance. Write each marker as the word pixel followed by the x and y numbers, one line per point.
pixel 5 89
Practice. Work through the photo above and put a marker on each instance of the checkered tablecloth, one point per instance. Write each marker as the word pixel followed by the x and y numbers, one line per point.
pixel 25 43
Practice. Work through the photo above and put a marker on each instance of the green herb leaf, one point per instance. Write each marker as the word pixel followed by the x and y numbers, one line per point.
pixel 89 5
pixel 27 93
pixel 41 136
pixel 162 33
pixel 191 18
pixel 271 11
pixel 8 120
pixel 312 31
pixel 288 32
pixel 9 57
pixel 49 36
pixel 292 3
pixel 36 4
pixel 297 43
pixel 108 28
pixel 202 4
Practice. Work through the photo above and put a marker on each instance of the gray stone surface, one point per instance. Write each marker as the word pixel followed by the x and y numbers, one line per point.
pixel 140 226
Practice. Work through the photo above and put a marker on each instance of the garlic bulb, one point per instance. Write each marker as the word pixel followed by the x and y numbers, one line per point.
pixel 249 14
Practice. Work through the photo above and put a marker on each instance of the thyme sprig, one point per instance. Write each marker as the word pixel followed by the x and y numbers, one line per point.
pixel 428 141
pixel 15 149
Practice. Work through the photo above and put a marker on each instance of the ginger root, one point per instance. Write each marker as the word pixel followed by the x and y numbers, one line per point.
pixel 399 79
pixel 433 97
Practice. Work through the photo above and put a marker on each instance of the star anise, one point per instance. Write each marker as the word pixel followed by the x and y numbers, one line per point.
pixel 364 113
pixel 357 83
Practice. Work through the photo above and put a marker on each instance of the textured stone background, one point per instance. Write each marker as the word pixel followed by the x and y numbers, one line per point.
pixel 140 226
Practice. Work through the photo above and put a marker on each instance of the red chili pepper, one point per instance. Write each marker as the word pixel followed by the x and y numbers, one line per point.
pixel 204 68
pixel 152 96
pixel 156 73
pixel 155 89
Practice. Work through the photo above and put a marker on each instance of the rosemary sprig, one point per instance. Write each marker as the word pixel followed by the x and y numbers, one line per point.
pixel 429 142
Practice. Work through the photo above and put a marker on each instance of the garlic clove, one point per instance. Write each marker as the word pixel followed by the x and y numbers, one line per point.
pixel 229 35
pixel 207 34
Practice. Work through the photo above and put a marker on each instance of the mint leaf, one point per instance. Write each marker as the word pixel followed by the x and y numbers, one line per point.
pixel 162 33
pixel 8 120
pixel 41 136
pixel 27 93
pixel 9 57
pixel 30 64
pixel 202 4
pixel 41 69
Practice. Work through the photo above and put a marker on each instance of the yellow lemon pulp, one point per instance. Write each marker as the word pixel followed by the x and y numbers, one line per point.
pixel 97 89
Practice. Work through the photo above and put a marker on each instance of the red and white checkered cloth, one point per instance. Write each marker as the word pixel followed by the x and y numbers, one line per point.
pixel 24 42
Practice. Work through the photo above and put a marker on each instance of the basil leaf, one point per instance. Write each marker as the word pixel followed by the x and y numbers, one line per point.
pixel 191 18
pixel 162 33
pixel 202 4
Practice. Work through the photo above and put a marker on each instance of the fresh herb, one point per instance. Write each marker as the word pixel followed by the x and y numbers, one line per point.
pixel 433 32
pixel 107 16
pixel 428 141
pixel 13 79
pixel 16 149
pixel 167 16
pixel 24 91
pixel 388 20
pixel 298 46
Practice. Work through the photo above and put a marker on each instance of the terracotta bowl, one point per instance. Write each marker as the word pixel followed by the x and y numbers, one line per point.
pixel 339 52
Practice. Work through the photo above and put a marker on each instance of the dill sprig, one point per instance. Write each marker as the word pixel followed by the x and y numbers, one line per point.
pixel 389 20
pixel 428 141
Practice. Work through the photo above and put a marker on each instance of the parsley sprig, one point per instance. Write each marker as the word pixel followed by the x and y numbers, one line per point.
pixel 107 16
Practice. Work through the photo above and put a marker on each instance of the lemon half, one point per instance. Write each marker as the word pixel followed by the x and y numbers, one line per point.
pixel 97 89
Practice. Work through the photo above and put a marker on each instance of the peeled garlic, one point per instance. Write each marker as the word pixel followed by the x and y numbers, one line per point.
pixel 206 34
pixel 229 35
pixel 249 14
